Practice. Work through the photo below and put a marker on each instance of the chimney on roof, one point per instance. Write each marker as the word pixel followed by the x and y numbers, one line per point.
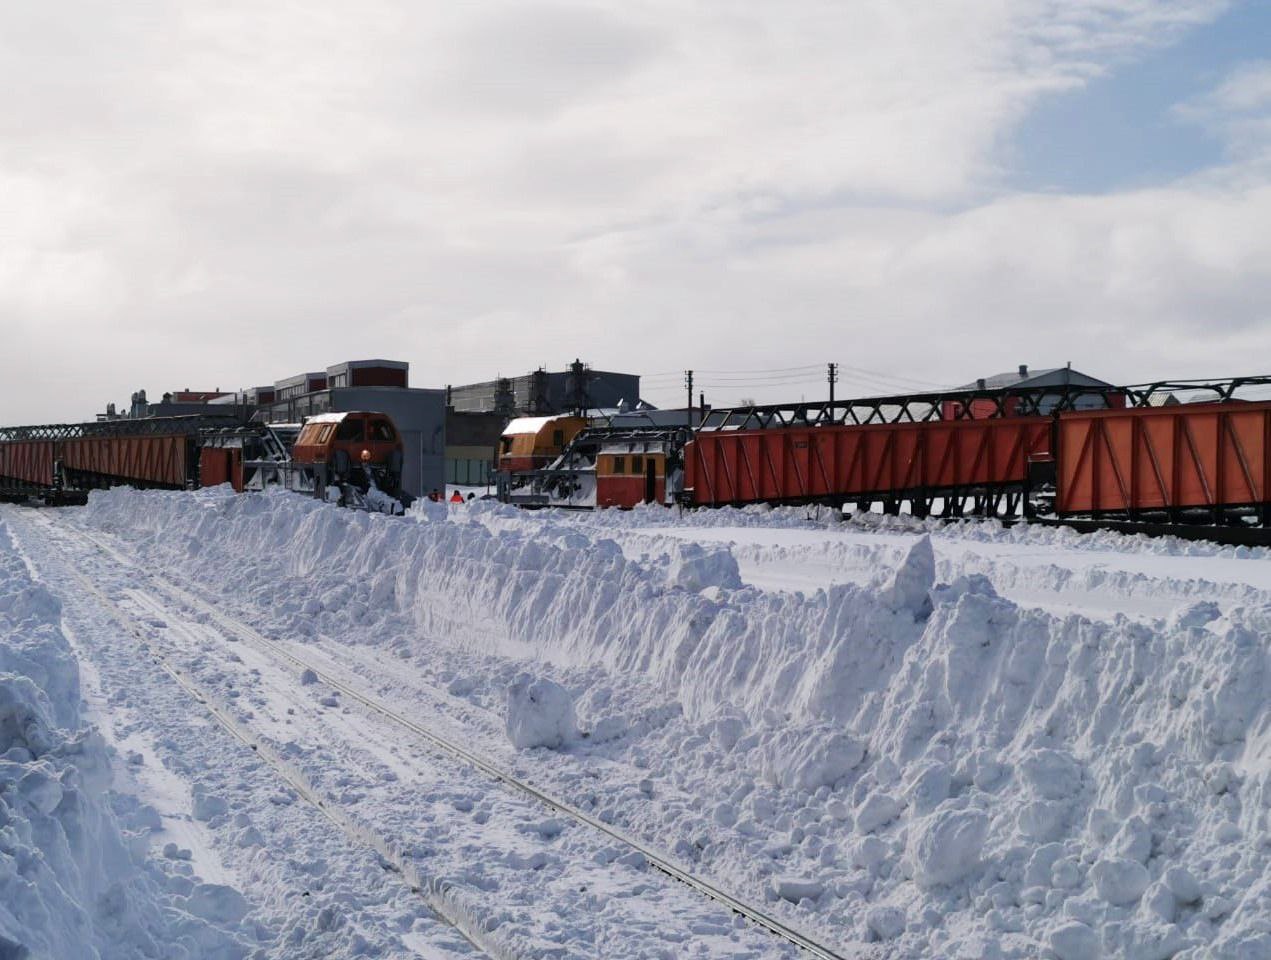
pixel 1023 370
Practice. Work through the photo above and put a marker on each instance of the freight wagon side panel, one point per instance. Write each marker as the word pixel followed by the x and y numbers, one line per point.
pixel 154 461
pixel 27 462
pixel 1203 455
pixel 791 464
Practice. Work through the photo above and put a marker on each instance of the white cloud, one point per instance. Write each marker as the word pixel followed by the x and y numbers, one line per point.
pixel 227 193
pixel 1238 111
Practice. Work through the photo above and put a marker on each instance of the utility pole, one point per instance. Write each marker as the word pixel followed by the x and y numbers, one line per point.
pixel 832 375
pixel 688 408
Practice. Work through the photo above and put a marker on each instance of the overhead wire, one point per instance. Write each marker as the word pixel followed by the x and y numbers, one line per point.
pixel 851 380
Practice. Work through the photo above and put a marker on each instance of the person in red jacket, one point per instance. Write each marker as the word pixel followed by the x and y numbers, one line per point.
pixel 456 497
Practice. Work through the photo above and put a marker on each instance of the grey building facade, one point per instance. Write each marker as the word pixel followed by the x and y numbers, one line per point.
pixel 542 392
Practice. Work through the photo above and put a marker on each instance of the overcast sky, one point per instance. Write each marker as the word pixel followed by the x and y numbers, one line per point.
pixel 222 194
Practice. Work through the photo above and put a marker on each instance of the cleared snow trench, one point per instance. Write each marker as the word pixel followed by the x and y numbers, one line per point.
pixel 918 759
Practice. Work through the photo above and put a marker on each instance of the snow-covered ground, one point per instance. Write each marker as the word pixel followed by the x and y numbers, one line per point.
pixel 897 738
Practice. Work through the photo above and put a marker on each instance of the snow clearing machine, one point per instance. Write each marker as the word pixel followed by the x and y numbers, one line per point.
pixel 352 458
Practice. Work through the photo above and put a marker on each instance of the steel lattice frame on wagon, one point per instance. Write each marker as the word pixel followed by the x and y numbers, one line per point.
pixel 958 404
pixel 61 461
pixel 981 452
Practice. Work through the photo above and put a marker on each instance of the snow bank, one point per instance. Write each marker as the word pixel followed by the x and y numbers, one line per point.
pixel 927 763
pixel 71 884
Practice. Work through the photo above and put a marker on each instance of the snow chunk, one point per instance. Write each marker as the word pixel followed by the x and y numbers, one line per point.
pixel 1074 941
pixel 695 568
pixel 1053 774
pixel 930 787
pixel 216 902
pixel 798 761
pixel 207 806
pixel 946 846
pixel 1195 615
pixel 1119 881
pixel 878 810
pixel 910 586
pixel 42 791
pixel 540 714
pixel 885 922
pixel 1182 884
pixel 795 889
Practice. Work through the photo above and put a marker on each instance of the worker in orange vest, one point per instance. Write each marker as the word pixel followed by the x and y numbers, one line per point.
pixel 456 497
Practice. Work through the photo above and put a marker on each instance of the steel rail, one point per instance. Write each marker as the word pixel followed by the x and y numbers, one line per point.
pixel 440 895
pixel 446 745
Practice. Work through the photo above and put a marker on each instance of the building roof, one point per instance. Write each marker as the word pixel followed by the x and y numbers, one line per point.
pixel 1047 377
pixel 345 365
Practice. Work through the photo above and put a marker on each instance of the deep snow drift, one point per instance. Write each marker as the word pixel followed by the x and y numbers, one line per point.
pixel 73 883
pixel 927 763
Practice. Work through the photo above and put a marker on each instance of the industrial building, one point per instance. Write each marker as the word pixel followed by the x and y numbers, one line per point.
pixel 543 393
pixel 382 386
pixel 472 443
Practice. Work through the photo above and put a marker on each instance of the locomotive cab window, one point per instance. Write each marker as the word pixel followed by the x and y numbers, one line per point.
pixel 637 464
pixel 324 433
pixel 382 432
pixel 619 464
pixel 558 438
pixel 351 431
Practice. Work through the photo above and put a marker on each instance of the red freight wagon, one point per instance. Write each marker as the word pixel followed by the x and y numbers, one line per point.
pixel 27 462
pixel 840 462
pixel 158 461
pixel 1183 456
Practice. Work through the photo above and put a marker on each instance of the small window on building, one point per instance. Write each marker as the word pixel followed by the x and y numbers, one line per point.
pixel 637 464
pixel 619 464
pixel 351 431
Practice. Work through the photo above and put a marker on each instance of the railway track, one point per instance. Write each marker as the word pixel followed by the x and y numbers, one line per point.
pixel 442 897
pixel 447 903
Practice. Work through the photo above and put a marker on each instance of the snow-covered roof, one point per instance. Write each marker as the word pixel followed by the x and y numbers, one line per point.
pixel 327 417
pixel 523 425
pixel 634 446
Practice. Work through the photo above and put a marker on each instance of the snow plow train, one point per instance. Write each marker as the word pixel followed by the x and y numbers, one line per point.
pixel 1191 458
pixel 353 458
